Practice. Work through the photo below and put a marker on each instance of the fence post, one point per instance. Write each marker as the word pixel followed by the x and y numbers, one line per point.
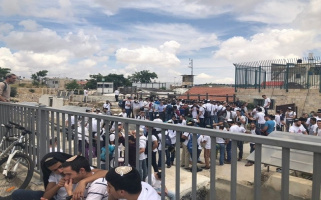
pixel 226 98
pixel 206 96
pixel 260 79
pixel 287 78
pixel 41 133
pixel 187 95
pixel 199 97
pixel 319 81
pixel 234 97
pixel 255 79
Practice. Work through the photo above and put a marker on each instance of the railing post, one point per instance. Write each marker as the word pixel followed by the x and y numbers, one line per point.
pixel 187 95
pixel 316 176
pixel 285 173
pixel 287 78
pixel 206 96
pixel 260 79
pixel 226 98
pixel 41 133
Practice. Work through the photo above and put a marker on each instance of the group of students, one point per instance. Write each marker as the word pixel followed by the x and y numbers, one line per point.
pixel 68 177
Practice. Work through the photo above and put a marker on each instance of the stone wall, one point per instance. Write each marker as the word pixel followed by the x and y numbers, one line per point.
pixel 305 100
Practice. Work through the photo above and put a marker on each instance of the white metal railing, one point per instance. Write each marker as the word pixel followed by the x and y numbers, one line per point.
pixel 46 123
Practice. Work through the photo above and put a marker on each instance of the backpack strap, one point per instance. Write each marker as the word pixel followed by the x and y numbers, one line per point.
pixel 5 86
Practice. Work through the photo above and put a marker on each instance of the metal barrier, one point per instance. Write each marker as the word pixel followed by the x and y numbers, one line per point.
pixel 296 73
pixel 46 123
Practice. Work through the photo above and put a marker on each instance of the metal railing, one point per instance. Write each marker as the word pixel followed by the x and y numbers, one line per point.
pixel 46 123
pixel 296 73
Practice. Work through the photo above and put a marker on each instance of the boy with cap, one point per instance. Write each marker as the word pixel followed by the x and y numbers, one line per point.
pixel 125 183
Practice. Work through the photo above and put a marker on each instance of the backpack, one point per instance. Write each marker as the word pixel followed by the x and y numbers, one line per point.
pixel 111 149
pixel 168 141
pixel 190 143
pixel 5 86
pixel 169 109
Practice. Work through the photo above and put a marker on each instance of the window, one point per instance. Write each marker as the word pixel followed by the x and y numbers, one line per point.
pixel 297 75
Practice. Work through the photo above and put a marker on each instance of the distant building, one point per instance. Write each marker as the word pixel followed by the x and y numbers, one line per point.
pixel 105 87
pixel 187 80
pixel 56 82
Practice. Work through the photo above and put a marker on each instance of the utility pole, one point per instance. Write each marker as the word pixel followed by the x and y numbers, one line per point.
pixel 191 66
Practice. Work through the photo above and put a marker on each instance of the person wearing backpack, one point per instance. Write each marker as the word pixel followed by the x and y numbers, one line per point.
pixel 169 111
pixel 5 88
pixel 165 149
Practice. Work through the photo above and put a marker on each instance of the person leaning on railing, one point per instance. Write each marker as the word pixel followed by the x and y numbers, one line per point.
pixel 5 88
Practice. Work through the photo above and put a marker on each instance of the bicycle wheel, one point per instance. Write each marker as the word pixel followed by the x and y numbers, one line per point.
pixel 18 179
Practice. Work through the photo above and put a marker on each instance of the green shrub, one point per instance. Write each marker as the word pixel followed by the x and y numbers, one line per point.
pixel 32 90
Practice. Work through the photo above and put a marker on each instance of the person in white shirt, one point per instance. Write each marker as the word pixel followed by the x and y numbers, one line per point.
pixel 267 103
pixel 125 183
pixel 116 95
pixel 185 154
pixel 297 127
pixel 206 141
pixel 318 129
pixel 156 183
pixel 290 115
pixel 78 168
pixel 312 128
pixel 142 156
pixel 201 113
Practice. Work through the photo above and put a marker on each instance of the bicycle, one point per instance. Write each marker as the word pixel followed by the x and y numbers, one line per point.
pixel 16 168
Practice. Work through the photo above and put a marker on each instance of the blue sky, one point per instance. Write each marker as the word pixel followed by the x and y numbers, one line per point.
pixel 76 38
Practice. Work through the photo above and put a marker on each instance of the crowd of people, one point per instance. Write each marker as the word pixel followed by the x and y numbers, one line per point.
pixel 67 172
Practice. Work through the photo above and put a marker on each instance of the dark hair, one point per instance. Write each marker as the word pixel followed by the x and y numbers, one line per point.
pixel 130 182
pixel 50 162
pixel 159 175
pixel 78 163
pixel 313 119
pixel 53 140
pixel 259 109
pixel 9 75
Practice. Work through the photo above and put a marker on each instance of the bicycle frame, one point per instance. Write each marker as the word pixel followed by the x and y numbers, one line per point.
pixel 13 152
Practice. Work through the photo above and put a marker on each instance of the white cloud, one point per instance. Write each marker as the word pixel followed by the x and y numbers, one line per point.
pixel 189 38
pixel 47 40
pixel 29 25
pixel 274 12
pixel 163 57
pixel 5 28
pixel 62 10
pixel 271 44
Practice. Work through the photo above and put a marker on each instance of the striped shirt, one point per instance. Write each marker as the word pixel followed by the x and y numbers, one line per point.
pixel 96 190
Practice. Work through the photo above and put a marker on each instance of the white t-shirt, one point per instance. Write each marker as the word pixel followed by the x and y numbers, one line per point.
pixel 116 92
pixel 266 102
pixel 318 132
pixel 260 118
pixel 298 130
pixel 172 135
pixel 155 183
pixel 142 144
pixel 312 129
pixel 96 190
pixel 188 136
pixel 207 140
pixel 201 112
pixel 148 193
pixel 61 193
pixel 159 121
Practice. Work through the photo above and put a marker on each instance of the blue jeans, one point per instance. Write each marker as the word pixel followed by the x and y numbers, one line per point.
pixel 170 194
pixel 221 147
pixel 168 158
pixel 128 112
pixel 240 147
pixel 151 116
pixel 142 169
pixel 215 118
pixel 21 194
pixel 228 151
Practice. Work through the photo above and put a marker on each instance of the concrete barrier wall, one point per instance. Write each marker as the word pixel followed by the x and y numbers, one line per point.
pixel 305 100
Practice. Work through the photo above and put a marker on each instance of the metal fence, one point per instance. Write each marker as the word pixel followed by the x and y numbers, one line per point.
pixel 46 123
pixel 297 73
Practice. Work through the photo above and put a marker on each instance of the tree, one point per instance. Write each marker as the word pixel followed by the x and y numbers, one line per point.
pixel 38 77
pixel 3 72
pixel 72 85
pixel 143 76
pixel 117 79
